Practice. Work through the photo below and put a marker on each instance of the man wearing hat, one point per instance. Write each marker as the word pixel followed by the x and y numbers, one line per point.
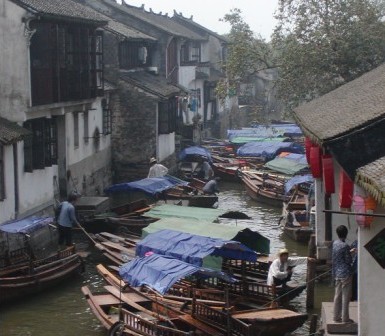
pixel 156 169
pixel 280 270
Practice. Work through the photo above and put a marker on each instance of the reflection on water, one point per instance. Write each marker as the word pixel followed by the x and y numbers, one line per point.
pixel 64 312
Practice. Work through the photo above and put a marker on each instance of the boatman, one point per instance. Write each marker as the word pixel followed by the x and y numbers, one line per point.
pixel 67 219
pixel 156 169
pixel 211 187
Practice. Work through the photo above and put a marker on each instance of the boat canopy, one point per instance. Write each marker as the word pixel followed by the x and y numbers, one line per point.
pixel 195 153
pixel 238 140
pixel 266 131
pixel 151 186
pixel 26 225
pixel 242 234
pixel 195 213
pixel 268 149
pixel 298 180
pixel 191 248
pixel 161 272
pixel 290 165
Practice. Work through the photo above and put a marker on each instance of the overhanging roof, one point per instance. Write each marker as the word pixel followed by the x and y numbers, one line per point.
pixel 11 132
pixel 346 109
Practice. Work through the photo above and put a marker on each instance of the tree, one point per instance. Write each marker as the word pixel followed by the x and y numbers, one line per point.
pixel 323 44
pixel 246 55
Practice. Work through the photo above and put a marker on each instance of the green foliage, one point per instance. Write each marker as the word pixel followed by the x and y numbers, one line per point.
pixel 246 55
pixel 323 44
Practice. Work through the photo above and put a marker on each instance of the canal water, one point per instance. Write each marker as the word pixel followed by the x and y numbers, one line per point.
pixel 64 312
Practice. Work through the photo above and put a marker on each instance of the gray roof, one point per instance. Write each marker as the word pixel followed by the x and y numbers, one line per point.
pixel 153 84
pixel 11 132
pixel 190 22
pixel 352 106
pixel 61 9
pixel 125 31
pixel 160 21
pixel 372 178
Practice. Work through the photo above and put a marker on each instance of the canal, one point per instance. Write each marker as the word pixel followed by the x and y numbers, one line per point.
pixel 63 311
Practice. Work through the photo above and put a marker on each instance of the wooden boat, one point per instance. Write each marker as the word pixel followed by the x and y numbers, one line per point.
pixel 208 307
pixel 295 218
pixel 264 189
pixel 19 280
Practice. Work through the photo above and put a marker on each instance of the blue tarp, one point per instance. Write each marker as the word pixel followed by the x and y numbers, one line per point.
pixel 268 150
pixel 26 225
pixel 297 180
pixel 161 272
pixel 285 129
pixel 193 153
pixel 152 186
pixel 266 131
pixel 192 248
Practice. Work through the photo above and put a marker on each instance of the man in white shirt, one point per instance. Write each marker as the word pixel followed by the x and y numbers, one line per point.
pixel 281 269
pixel 156 169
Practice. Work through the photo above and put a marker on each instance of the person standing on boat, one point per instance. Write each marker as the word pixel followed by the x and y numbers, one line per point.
pixel 211 187
pixel 208 172
pixel 281 269
pixel 342 275
pixel 67 219
pixel 156 169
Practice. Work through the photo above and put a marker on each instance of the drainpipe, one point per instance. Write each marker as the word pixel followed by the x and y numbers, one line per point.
pixel 16 178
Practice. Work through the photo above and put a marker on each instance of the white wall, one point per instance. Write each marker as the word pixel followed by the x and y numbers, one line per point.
pixel 7 206
pixel 186 75
pixel 14 69
pixel 371 283
pixel 166 145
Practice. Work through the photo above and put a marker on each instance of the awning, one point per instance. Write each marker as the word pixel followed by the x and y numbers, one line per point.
pixel 11 132
pixel 161 272
pixel 252 239
pixel 152 185
pixel 192 249
pixel 26 225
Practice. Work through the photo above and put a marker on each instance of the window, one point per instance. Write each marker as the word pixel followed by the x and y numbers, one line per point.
pixel 134 55
pixel 66 62
pixel 40 149
pixel 167 113
pixel 106 117
pixel 190 52
pixel 85 125
pixel 76 129
pixel 2 174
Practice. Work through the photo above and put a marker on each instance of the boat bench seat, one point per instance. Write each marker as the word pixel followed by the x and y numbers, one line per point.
pixel 200 325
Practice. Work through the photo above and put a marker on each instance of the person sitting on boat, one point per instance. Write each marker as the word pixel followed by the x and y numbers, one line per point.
pixel 211 187
pixel 67 219
pixel 156 169
pixel 281 269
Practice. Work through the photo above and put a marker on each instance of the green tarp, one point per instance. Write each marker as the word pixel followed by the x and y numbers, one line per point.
pixel 194 213
pixel 286 166
pixel 246 139
pixel 244 235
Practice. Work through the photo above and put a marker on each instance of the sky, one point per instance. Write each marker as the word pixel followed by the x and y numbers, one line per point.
pixel 258 14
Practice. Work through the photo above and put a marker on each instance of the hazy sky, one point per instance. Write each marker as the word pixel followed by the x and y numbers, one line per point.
pixel 257 13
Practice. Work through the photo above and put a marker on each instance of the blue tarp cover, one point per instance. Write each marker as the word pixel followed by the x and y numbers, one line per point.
pixel 266 131
pixel 194 152
pixel 152 186
pixel 26 225
pixel 161 272
pixel 268 150
pixel 297 180
pixel 192 248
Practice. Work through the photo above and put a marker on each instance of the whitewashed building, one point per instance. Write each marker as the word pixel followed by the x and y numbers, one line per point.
pixel 52 96
pixel 346 128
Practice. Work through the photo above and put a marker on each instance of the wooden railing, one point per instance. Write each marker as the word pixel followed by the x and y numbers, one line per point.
pixel 145 327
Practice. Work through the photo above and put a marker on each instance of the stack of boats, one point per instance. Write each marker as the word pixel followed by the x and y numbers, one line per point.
pixel 176 282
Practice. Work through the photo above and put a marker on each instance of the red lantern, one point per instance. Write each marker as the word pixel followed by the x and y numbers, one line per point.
pixel 364 205
pixel 346 190
pixel 315 161
pixel 308 145
pixel 328 173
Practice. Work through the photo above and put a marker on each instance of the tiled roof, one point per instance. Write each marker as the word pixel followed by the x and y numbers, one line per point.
pixel 61 9
pixel 11 132
pixel 372 178
pixel 153 84
pixel 354 105
pixel 160 21
pixel 127 32
pixel 190 22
